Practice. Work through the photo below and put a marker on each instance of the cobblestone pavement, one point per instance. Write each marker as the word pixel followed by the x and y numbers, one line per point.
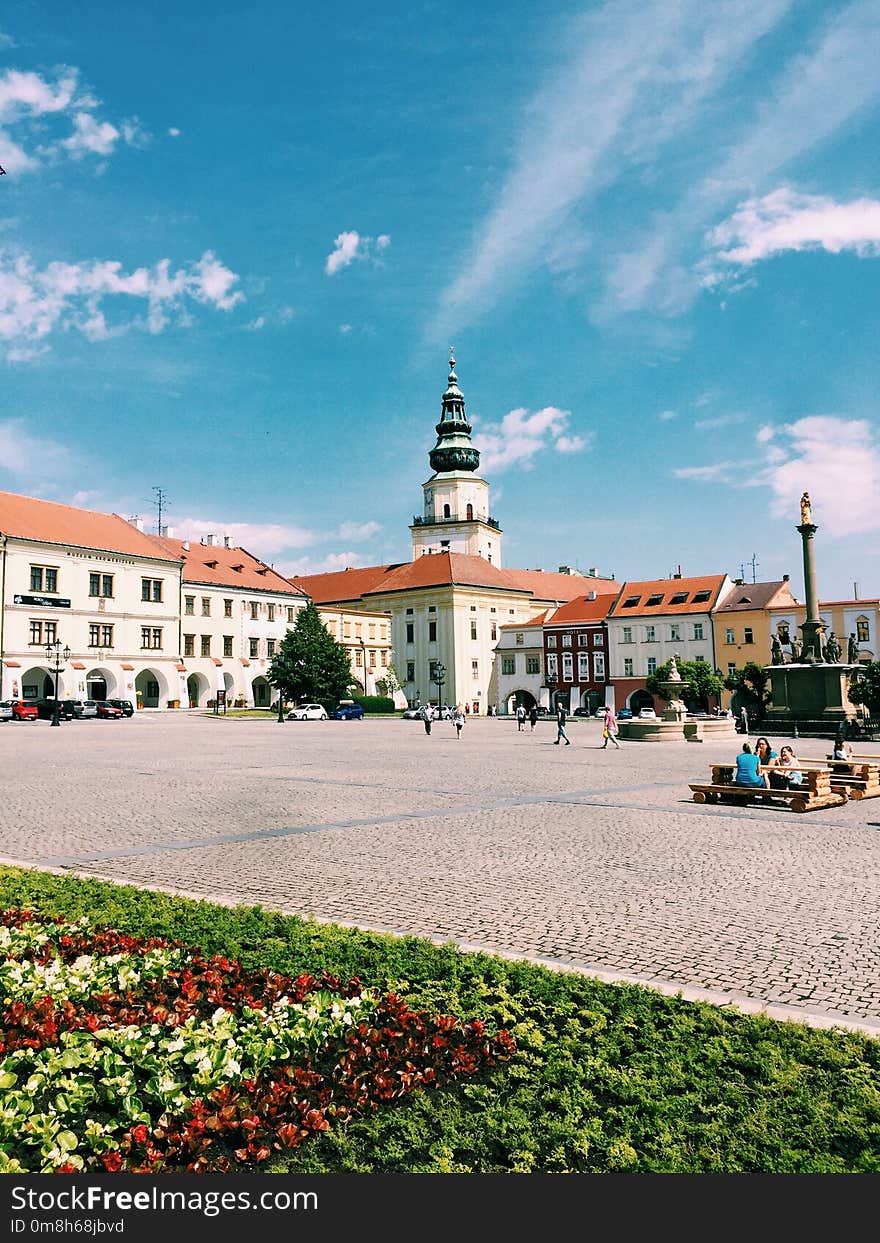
pixel 500 841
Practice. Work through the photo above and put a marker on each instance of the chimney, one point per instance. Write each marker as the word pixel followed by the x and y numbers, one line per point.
pixel 169 531
pixel 739 582
pixel 209 540
pixel 137 522
pixel 186 545
pixel 225 541
pixel 855 591
pixel 786 578
pixel 591 595
pixel 593 572
pixel 565 569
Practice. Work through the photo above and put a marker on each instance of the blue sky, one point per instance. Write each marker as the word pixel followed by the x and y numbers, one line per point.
pixel 234 251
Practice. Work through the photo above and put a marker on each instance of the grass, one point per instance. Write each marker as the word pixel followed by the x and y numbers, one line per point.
pixel 605 1077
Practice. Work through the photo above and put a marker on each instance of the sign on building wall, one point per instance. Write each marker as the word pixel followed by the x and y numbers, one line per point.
pixel 43 602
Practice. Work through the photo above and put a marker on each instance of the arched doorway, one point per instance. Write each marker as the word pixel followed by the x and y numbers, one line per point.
pixel 261 692
pixel 100 684
pixel 591 700
pixel 151 688
pixel 639 700
pixel 197 687
pixel 525 698
pixel 38 683
pixel 229 684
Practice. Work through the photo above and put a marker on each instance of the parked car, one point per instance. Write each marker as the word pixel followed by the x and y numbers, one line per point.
pixel 307 712
pixel 125 706
pixel 443 713
pixel 348 710
pixel 106 711
pixel 46 709
pixel 87 708
pixel 647 714
pixel 582 712
pixel 413 714
pixel 599 713
pixel 624 714
pixel 5 710
pixel 23 710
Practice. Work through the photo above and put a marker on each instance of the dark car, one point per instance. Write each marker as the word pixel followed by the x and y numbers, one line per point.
pixel 46 709
pixel 126 707
pixel 625 714
pixel 105 711
pixel 347 710
pixel 582 712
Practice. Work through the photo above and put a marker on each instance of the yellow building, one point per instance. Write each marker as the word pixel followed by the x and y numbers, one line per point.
pixel 366 637
pixel 743 624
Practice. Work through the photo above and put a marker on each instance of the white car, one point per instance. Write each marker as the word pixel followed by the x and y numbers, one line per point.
pixel 5 710
pixel 308 712
pixel 647 714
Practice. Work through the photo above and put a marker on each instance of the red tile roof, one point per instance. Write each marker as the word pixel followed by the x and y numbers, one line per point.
pixel 524 625
pixel 340 585
pixel 745 596
pixel 210 566
pixel 666 589
pixel 50 523
pixel 582 609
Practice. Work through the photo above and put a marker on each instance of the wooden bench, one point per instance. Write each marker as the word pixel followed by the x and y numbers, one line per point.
pixel 815 792
pixel 859 777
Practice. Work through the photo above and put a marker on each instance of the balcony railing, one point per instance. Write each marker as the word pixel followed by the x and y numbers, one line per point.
pixel 420 521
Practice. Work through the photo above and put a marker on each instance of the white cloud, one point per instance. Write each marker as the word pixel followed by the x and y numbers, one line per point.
pixel 836 460
pixel 785 220
pixel 765 434
pixel 520 436
pixel 666 416
pixel 704 474
pixel 344 329
pixel 173 132
pixel 26 456
pixel 90 137
pixel 263 539
pixel 6 41
pixel 326 565
pixel 358 530
pixel 721 420
pixel 349 246
pixel 35 302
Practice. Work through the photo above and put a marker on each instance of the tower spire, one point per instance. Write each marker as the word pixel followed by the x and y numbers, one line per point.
pixel 453 450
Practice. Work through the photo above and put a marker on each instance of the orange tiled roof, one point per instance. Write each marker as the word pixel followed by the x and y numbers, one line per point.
pixel 667 589
pixel 210 565
pixel 50 523
pixel 745 596
pixel 581 609
pixel 342 585
pixel 538 620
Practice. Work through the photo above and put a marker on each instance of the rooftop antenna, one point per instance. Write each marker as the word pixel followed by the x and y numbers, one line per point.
pixel 754 563
pixel 161 502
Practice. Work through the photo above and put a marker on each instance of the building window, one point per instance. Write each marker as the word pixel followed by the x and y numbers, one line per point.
pixel 475 670
pixel 650 634
pixel 473 628
pixel 652 665
pixel 533 664
pixel 702 597
pixel 94 635
pixel 206 606
pixel 151 589
pixel 583 666
pixel 863 633
pixel 189 605
pixel 206 645
pixel 346 630
pixel 551 667
pixel 628 668
pixel 566 640
pixel 270 648
pixel 255 610
pixel 567 667
pixel 748 635
pixel 508 665
pixel 227 645
pixel 253 648
pixel 101 585
pixel 783 632
pixel 675 633
pixel 432 632
pixel 271 609
pixel 44 578
pixel 384 659
pixel 631 601
pixel 599 666
pixel 43 632
pixel 372 658
pixel 680 597
pixel 582 640
pixel 291 614
pixel 597 639
pixel 731 668
pixel 227 610
pixel 493 631
pixel 627 635
pixel 653 601
pixel 410 671
pixel 551 640
pixel 189 645
pixel 729 635
pixel 698 630
pixel 432 608
pixel 106 636
pixel 151 637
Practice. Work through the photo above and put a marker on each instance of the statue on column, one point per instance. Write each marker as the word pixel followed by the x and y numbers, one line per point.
pixel 833 651
pixel 852 654
pixel 776 657
pixel 796 652
pixel 806 510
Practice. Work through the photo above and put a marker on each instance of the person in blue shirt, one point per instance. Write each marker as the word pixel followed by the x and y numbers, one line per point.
pixel 764 752
pixel 747 773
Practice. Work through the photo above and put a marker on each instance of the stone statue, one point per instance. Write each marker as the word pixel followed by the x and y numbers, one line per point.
pixel 852 654
pixel 806 509
pixel 833 650
pixel 775 651
pixel 796 652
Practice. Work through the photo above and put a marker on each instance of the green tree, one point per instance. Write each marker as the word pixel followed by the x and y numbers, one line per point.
pixel 865 688
pixel 310 664
pixel 389 683
pixel 752 685
pixel 702 683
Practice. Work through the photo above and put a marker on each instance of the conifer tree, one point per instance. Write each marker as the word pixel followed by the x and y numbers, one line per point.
pixel 310 664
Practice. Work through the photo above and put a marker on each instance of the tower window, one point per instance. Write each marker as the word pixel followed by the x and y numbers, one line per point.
pixel 470 512
pixel 445 511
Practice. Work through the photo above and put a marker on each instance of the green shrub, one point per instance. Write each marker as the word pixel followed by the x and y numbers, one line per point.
pixel 374 703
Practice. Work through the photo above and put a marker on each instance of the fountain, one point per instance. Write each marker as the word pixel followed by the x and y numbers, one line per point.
pixel 676 724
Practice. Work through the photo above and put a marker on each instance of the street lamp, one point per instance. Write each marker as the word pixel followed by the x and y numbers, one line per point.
pixel 55 659
pixel 439 678
pixel 551 687
pixel 364 657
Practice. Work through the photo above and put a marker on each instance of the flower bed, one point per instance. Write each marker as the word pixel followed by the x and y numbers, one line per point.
pixel 140 1054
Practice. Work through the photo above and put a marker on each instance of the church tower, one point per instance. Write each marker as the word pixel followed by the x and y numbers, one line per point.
pixel 456 507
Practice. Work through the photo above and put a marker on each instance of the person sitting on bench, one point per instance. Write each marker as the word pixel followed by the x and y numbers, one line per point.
pixel 747 773
pixel 842 751
pixel 784 772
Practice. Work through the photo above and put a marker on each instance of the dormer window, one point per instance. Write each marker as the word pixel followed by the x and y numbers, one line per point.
pixel 212 565
pixel 631 601
pixel 680 597
pixel 702 597
pixel 653 601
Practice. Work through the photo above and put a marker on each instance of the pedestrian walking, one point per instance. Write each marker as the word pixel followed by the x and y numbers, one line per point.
pixel 458 721
pixel 533 717
pixel 609 730
pixel 520 718
pixel 427 714
pixel 561 716
pixel 744 718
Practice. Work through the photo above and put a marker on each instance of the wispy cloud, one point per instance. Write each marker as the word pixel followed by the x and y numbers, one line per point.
pixel 721 420
pixel 785 220
pixel 351 245
pixel 35 302
pixel 322 565
pixel 666 416
pixel 520 436
pixel 263 539
pixel 706 474
pixel 358 531
pixel 20 450
pixel 641 70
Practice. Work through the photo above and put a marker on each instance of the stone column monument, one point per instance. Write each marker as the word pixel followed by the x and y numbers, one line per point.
pixel 813 628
